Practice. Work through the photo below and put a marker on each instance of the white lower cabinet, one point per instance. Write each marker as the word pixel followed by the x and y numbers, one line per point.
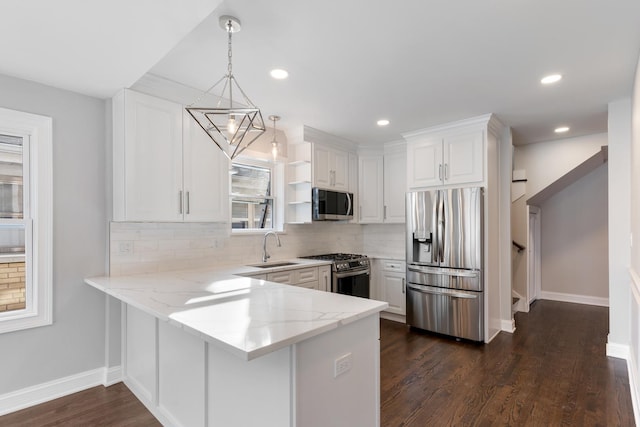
pixel 318 278
pixel 324 283
pixel 303 277
pixel 186 381
pixel 391 285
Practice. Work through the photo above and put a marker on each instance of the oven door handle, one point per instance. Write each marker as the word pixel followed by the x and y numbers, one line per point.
pixel 351 273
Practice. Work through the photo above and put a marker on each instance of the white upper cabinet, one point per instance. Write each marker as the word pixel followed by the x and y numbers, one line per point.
pixel 370 188
pixel 442 157
pixel 206 176
pixel 163 169
pixel 382 185
pixel 395 184
pixel 330 168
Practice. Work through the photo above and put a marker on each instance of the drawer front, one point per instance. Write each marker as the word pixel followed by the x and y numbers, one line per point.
pixel 390 265
pixel 286 277
pixel 305 275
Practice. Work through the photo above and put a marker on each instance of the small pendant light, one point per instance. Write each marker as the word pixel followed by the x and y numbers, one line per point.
pixel 274 142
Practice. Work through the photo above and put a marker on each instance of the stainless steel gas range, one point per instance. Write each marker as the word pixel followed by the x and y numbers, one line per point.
pixel 350 273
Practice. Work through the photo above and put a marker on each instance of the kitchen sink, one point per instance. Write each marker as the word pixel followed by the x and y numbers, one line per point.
pixel 273 264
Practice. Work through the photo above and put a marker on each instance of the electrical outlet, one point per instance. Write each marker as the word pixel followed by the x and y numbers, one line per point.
pixel 125 247
pixel 342 364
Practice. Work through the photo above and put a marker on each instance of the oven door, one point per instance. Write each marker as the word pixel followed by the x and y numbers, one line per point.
pixel 355 283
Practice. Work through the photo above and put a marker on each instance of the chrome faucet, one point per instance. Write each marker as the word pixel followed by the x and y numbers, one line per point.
pixel 265 255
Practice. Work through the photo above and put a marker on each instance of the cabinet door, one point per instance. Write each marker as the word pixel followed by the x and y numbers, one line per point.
pixel 339 162
pixel 395 186
pixel 321 169
pixel 324 282
pixel 463 157
pixel 206 176
pixel 424 162
pixel 370 190
pixel 393 286
pixel 285 277
pixel 152 154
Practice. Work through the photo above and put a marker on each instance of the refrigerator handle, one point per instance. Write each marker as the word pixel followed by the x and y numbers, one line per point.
pixel 441 228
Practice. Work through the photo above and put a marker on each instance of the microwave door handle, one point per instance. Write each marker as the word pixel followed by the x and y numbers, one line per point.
pixel 348 203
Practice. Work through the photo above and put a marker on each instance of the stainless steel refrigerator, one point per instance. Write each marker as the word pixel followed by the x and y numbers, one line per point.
pixel 445 291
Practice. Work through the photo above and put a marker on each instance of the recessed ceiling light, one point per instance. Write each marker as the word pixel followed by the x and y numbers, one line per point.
pixel 562 129
pixel 279 73
pixel 551 78
pixel 382 122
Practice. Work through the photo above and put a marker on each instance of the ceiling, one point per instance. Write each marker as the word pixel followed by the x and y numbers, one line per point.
pixel 351 62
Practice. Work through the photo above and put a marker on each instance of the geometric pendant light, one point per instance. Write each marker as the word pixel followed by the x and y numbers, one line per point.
pixel 235 122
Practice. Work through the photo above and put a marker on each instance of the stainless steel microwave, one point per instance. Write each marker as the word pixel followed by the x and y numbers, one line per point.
pixel 331 205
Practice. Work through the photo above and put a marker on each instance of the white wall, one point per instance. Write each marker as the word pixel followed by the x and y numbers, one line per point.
pixel 574 239
pixel 75 341
pixel 634 318
pixel 619 226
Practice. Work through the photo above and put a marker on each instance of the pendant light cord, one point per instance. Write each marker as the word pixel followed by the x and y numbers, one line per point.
pixel 230 66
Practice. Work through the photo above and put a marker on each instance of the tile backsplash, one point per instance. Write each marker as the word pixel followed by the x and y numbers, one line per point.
pixel 153 247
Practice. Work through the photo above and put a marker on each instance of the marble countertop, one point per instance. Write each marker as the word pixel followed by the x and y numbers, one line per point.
pixel 245 316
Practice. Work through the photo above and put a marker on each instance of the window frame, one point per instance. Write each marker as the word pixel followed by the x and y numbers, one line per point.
pixel 37 134
pixel 274 191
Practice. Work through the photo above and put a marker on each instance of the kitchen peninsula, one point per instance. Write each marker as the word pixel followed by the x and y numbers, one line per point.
pixel 210 348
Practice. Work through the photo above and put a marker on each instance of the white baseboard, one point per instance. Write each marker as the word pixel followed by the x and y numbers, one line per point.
pixel 34 395
pixel 393 316
pixel 508 325
pixel 619 351
pixel 578 299
pixel 112 376
pixel 633 386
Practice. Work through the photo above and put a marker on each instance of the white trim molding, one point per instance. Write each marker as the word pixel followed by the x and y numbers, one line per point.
pixel 508 325
pixel 38 132
pixel 34 395
pixel 619 351
pixel 577 299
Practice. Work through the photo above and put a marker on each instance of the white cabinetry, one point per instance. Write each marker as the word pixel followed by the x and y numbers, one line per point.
pixel 395 183
pixel 445 156
pixel 370 188
pixel 392 285
pixel 330 168
pixel 318 278
pixel 303 277
pixel 382 185
pixel 163 168
pixel 315 160
pixel 324 282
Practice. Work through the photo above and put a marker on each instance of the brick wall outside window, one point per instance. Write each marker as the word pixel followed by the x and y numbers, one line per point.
pixel 12 286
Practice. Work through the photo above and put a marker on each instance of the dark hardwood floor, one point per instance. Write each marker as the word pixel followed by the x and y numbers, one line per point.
pixel 552 372
pixel 98 406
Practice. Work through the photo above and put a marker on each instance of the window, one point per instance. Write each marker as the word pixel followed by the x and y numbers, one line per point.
pixel 252 201
pixel 25 220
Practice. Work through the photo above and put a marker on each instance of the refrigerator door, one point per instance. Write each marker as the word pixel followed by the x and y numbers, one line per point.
pixel 468 280
pixel 446 311
pixel 422 227
pixel 462 214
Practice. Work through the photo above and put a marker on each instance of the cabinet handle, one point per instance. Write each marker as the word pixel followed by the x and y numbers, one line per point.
pixel 188 204
pixel 360 212
pixel 384 215
pixel 180 200
pixel 440 172
pixel 446 171
pixel 326 283
pixel 403 285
